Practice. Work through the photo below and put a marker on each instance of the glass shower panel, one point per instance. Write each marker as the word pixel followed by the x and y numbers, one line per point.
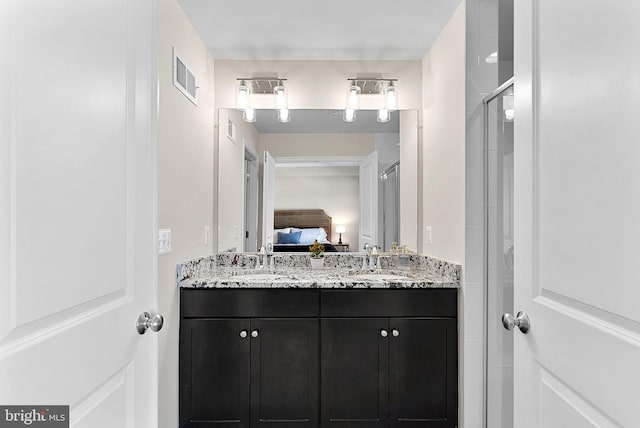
pixel 499 261
pixel 390 212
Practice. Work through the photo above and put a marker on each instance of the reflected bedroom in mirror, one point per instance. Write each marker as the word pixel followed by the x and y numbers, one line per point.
pixel 316 177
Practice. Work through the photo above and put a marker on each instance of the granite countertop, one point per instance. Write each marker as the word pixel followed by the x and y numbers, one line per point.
pixel 343 270
pixel 320 278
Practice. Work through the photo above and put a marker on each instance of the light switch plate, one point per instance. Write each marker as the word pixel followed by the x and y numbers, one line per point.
pixel 164 241
pixel 428 233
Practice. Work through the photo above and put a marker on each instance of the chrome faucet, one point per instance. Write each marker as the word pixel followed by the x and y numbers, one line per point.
pixel 265 251
pixel 370 257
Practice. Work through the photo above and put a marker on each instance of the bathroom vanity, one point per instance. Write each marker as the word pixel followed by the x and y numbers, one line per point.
pixel 332 348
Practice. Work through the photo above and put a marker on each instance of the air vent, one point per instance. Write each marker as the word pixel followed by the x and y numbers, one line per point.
pixel 183 78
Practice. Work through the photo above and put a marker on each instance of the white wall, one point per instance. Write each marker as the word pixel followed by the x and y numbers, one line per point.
pixel 444 141
pixel 185 182
pixel 231 178
pixel 443 172
pixel 319 84
pixel 317 144
pixel 333 189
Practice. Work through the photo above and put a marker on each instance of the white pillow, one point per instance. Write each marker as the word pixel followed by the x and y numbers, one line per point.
pixel 311 234
pixel 275 233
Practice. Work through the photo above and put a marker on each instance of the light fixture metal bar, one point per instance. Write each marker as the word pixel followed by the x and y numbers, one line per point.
pixel 262 85
pixel 370 85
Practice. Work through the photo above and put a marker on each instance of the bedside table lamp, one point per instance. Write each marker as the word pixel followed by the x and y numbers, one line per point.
pixel 340 230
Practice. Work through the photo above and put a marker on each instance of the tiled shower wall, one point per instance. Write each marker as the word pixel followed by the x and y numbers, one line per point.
pixel 489 29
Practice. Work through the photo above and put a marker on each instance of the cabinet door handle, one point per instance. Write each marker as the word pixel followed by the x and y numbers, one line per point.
pixel 254 333
pixel 384 333
pixel 395 332
pixel 243 334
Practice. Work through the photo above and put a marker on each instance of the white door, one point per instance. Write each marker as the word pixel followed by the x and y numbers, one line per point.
pixel 268 197
pixel 369 200
pixel 577 213
pixel 77 208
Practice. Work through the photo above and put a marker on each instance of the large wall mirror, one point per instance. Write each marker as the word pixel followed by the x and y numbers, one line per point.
pixel 358 181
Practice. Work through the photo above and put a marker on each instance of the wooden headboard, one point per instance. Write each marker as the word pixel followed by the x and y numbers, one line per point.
pixel 302 219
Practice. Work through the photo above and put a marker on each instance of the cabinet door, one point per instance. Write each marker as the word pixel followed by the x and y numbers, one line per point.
pixel 354 373
pixel 423 379
pixel 214 373
pixel 284 373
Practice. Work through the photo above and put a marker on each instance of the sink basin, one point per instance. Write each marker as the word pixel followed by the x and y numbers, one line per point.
pixel 379 277
pixel 258 276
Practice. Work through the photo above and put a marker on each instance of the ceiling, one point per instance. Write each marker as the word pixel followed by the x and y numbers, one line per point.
pixel 324 122
pixel 319 30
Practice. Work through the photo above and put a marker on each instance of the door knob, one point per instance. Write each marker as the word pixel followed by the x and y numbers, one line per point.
pixel 243 334
pixel 254 333
pixel 146 321
pixel 395 332
pixel 384 333
pixel 521 320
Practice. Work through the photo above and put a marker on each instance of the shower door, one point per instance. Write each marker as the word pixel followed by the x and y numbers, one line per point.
pixel 390 206
pixel 499 250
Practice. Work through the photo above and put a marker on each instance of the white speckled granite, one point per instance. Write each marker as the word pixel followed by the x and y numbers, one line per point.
pixel 292 270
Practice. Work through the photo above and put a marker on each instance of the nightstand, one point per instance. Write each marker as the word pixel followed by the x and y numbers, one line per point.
pixel 343 248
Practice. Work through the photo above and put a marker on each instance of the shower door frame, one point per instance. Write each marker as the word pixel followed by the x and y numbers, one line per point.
pixel 395 167
pixel 500 90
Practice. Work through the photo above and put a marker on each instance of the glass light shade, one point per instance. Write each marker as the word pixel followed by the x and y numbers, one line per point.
pixel 349 115
pixel 280 93
pixel 507 106
pixel 383 115
pixel 340 229
pixel 509 114
pixel 243 96
pixel 283 115
pixel 353 97
pixel 249 115
pixel 391 97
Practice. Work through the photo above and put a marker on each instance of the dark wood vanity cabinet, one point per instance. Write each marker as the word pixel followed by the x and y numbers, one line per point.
pixel 355 373
pixel 249 359
pixel 328 358
pixel 389 359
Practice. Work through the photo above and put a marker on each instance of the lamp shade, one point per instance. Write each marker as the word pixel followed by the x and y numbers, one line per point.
pixel 249 115
pixel 340 229
pixel 243 96
pixel 353 97
pixel 349 115
pixel 281 98
pixel 383 115
pixel 390 94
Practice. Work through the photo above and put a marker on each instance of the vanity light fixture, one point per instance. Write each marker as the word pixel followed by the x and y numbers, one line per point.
pixel 250 86
pixel 349 115
pixel 383 115
pixel 243 96
pixel 385 89
pixel 507 107
pixel 390 97
pixel 283 115
pixel 249 114
pixel 353 97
